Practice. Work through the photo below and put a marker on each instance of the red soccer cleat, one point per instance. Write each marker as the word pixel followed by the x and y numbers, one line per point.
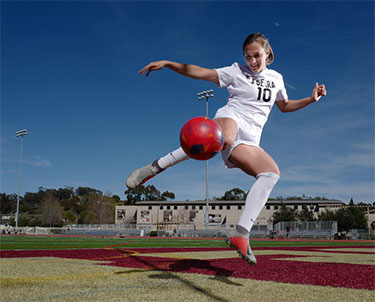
pixel 242 246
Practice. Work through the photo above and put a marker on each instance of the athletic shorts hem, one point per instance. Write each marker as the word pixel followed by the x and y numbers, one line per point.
pixel 226 153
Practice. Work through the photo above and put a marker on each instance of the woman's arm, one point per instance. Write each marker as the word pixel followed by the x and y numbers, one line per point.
pixel 294 105
pixel 188 70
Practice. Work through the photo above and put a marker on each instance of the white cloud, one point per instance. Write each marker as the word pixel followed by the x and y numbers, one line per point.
pixel 327 169
pixel 37 161
pixel 290 86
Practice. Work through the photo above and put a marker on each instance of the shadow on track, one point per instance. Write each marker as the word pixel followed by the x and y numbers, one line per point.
pixel 221 274
pixel 184 265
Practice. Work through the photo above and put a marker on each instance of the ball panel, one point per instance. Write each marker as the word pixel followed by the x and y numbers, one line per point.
pixel 196 149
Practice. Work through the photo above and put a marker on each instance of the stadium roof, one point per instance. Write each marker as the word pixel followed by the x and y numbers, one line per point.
pixel 240 202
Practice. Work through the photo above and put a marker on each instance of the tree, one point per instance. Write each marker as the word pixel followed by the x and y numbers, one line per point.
pixel 294 197
pixel 347 218
pixel 31 220
pixel 284 214
pixel 150 192
pixel 8 203
pixel 305 215
pixel 83 191
pixel 116 198
pixel 327 215
pixel 65 193
pixel 31 201
pixel 70 217
pixel 234 194
pixel 134 195
pixel 99 210
pixel 51 211
pixel 167 195
pixel 350 218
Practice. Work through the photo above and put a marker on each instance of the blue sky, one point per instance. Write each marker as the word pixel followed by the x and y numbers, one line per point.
pixel 69 74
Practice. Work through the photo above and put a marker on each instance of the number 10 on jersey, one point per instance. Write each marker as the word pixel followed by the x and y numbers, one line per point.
pixel 264 94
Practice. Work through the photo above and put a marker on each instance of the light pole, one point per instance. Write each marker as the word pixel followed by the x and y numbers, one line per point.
pixel 201 96
pixel 18 134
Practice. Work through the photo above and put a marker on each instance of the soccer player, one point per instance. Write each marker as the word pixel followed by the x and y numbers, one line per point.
pixel 253 89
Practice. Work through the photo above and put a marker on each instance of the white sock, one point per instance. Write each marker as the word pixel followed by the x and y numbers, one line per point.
pixel 257 198
pixel 172 158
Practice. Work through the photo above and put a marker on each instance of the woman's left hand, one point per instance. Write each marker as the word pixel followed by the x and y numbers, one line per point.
pixel 318 92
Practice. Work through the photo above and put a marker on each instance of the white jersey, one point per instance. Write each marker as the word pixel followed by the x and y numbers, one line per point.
pixel 252 94
pixel 251 97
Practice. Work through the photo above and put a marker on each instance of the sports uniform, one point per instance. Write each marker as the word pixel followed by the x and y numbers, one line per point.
pixel 251 97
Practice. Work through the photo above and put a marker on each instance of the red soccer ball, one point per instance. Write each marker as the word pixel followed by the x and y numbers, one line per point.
pixel 201 138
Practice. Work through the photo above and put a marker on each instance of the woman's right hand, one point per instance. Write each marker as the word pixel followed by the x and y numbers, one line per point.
pixel 153 66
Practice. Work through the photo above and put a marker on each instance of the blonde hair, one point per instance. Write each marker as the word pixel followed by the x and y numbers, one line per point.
pixel 262 40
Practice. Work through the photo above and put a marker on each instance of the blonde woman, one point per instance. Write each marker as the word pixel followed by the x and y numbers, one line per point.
pixel 253 90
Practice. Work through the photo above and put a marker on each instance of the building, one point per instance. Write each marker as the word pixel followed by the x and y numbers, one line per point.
pixel 169 215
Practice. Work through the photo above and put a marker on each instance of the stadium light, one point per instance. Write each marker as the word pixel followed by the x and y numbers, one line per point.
pixel 205 95
pixel 18 134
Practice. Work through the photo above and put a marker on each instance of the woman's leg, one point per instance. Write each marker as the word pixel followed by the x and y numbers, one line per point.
pixel 256 162
pixel 172 158
pixel 140 176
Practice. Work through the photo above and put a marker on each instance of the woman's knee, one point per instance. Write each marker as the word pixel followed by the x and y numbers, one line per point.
pixel 276 170
pixel 271 167
pixel 278 173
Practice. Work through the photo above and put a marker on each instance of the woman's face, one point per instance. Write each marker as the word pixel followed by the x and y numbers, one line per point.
pixel 256 57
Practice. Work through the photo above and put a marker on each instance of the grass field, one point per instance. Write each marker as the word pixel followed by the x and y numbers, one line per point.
pixel 57 242
pixel 44 268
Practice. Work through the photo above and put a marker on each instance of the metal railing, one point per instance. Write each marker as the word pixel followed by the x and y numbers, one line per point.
pixel 306 229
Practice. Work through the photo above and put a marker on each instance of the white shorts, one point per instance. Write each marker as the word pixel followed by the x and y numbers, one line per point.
pixel 248 133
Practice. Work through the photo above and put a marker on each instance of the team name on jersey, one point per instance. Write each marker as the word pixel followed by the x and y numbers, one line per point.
pixel 261 82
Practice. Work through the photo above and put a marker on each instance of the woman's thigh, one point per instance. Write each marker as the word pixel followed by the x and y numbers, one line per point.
pixel 253 160
pixel 230 129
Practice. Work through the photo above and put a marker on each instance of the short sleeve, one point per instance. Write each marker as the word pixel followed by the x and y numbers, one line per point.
pixel 226 75
pixel 281 94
